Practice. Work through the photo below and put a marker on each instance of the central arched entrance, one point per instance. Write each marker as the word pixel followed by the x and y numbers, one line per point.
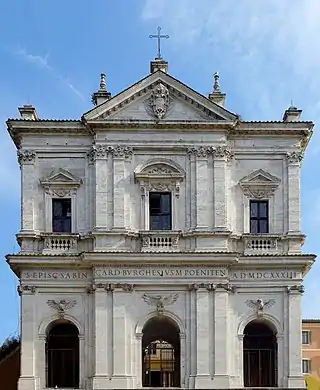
pixel 259 355
pixel 161 353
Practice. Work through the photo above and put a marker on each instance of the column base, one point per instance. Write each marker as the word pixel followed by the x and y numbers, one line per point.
pixel 203 382
pixel 28 383
pixel 121 382
pixel 296 382
pixel 221 382
pixel 100 382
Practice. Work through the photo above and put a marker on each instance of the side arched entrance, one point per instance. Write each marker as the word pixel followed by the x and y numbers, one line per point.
pixel 259 355
pixel 161 353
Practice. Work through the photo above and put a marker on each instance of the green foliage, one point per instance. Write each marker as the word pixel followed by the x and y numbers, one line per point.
pixel 8 346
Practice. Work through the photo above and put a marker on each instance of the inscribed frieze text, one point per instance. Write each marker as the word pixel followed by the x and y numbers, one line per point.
pixel 171 272
pixel 56 275
pixel 257 275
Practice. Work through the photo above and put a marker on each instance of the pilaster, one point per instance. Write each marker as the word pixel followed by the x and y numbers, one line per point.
pixel 222 332
pixel 222 155
pixel 98 156
pixel 295 376
pixel 28 379
pixel 121 209
pixel 101 309
pixel 121 376
pixel 203 378
pixel 26 159
pixel 294 214
pixel 201 184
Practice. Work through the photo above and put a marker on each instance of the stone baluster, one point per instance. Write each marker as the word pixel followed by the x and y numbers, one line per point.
pixel 222 155
pixel 121 187
pixel 27 378
pixel 295 377
pixel 26 159
pixel 294 160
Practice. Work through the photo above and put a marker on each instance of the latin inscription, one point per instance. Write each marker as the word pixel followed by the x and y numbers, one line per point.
pixel 161 272
pixel 265 275
pixel 73 275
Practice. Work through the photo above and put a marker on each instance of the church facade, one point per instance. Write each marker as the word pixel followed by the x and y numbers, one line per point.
pixel 160 243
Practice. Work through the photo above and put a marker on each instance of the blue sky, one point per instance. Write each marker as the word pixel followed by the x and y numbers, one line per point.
pixel 52 53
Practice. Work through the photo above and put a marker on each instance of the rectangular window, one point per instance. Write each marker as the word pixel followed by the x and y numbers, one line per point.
pixel 160 211
pixel 61 215
pixel 259 216
pixel 306 337
pixel 306 366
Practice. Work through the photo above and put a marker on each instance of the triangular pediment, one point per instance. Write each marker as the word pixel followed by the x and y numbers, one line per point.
pixel 61 177
pixel 159 97
pixel 260 176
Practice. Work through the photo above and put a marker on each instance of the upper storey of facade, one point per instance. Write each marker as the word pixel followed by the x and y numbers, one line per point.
pixel 160 168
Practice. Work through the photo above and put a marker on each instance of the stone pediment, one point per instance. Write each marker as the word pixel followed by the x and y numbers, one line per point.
pixel 259 184
pixel 159 97
pixel 61 178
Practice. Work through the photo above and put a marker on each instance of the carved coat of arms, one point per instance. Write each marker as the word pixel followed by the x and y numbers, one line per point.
pixel 159 101
pixel 159 301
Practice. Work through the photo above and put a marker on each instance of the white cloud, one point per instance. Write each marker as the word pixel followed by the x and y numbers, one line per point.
pixel 42 62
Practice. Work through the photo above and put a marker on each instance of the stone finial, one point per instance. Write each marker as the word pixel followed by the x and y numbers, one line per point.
pixel 216 96
pixel 292 114
pixel 103 82
pixel 216 85
pixel 102 95
pixel 28 112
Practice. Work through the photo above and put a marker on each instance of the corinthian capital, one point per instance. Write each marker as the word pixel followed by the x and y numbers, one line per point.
pixel 26 156
pixel 122 151
pixel 201 151
pixel 295 157
pixel 223 152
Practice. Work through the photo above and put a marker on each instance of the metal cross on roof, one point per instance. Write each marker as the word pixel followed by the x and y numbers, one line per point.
pixel 159 36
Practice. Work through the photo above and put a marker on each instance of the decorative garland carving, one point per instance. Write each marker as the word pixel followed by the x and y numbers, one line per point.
pixel 26 156
pixel 60 192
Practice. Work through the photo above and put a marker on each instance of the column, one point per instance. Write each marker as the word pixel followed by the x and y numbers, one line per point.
pixel 120 187
pixel 121 377
pixel 101 312
pixel 203 350
pixel 99 155
pixel 294 159
pixel 26 160
pixel 28 380
pixel 221 155
pixel 295 377
pixel 221 335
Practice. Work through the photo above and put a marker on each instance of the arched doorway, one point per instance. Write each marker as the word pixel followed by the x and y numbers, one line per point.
pixel 161 353
pixel 259 355
pixel 62 356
